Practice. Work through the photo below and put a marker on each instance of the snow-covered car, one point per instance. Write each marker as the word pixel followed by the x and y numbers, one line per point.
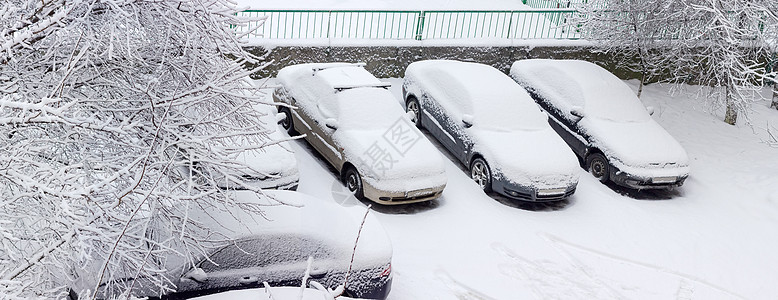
pixel 605 123
pixel 492 126
pixel 246 248
pixel 272 166
pixel 354 122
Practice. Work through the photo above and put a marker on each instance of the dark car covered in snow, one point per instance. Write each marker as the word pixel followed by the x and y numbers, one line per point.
pixel 492 126
pixel 246 248
pixel 605 123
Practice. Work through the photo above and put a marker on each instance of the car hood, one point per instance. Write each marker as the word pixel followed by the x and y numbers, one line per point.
pixel 635 144
pixel 376 155
pixel 538 158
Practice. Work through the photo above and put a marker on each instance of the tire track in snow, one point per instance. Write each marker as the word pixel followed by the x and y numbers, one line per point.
pixel 685 288
pixel 459 289
pixel 551 280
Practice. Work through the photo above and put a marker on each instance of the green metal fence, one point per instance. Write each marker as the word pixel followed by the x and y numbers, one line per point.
pixel 552 3
pixel 412 25
pixel 539 24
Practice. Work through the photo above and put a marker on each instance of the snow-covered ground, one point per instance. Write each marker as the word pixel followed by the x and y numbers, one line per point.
pixel 714 238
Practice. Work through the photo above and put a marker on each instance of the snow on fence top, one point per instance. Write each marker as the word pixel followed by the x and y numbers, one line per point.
pixel 412 25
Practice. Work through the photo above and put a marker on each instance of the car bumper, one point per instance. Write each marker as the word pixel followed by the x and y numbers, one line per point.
pixel 645 183
pixel 519 192
pixel 402 197
pixel 379 292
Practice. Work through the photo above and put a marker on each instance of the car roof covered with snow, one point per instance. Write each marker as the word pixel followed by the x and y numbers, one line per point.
pixel 491 97
pixel 570 83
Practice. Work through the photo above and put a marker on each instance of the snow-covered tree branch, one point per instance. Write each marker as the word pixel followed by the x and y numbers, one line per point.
pixel 108 110
pixel 721 44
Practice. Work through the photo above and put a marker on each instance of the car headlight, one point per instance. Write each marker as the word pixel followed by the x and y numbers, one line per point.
pixel 549 192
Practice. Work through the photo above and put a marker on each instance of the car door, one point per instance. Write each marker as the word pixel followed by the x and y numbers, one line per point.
pixel 566 128
pixel 313 123
pixel 328 109
pixel 446 128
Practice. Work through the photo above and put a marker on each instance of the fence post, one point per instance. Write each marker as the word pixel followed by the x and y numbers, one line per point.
pixel 510 24
pixel 420 25
pixel 329 20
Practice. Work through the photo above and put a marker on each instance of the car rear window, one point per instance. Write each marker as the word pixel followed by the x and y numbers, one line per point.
pixel 265 251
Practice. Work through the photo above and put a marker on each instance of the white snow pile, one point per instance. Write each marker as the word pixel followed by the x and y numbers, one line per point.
pixel 614 118
pixel 509 129
pixel 373 130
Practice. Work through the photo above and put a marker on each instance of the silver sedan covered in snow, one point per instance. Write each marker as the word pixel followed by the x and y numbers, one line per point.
pixel 354 122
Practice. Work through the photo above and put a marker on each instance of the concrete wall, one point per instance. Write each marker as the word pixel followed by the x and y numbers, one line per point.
pixel 385 62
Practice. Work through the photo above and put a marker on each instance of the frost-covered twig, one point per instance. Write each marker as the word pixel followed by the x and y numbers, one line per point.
pixel 305 278
pixel 356 242
pixel 267 291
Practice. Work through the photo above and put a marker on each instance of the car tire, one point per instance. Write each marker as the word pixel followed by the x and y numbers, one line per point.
pixel 286 122
pixel 414 106
pixel 353 182
pixel 481 174
pixel 598 166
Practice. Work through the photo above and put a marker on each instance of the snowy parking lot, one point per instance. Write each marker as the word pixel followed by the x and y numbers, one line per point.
pixel 713 238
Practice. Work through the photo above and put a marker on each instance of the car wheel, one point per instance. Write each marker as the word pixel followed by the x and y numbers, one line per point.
pixel 286 122
pixel 413 106
pixel 353 182
pixel 480 173
pixel 598 166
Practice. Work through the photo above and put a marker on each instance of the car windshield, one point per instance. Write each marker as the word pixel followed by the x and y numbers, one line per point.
pixel 494 100
pixel 510 113
pixel 614 101
pixel 569 83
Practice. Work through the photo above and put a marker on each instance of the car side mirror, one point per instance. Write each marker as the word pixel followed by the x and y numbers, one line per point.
pixel 331 123
pixel 577 111
pixel 467 120
pixel 196 274
pixel 650 110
